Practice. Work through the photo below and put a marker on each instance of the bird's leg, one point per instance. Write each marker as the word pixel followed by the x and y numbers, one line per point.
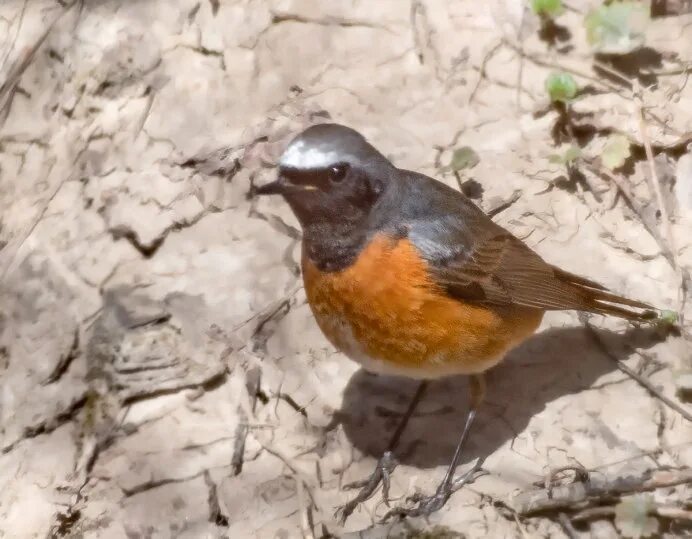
pixel 385 466
pixel 425 505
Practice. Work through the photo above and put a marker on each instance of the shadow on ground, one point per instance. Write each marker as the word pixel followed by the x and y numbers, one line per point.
pixel 554 363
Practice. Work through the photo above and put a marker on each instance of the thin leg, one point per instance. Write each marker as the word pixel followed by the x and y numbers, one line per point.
pixel 417 396
pixel 430 504
pixel 477 393
pixel 385 466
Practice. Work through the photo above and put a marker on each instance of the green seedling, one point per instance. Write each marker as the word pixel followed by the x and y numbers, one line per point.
pixel 617 28
pixel 547 8
pixel 632 516
pixel 571 154
pixel 561 87
pixel 668 318
pixel 616 151
pixel 463 158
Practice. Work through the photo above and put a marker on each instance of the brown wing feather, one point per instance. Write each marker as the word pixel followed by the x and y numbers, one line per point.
pixel 502 270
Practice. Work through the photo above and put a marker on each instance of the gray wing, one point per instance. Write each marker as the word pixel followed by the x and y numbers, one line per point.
pixel 476 260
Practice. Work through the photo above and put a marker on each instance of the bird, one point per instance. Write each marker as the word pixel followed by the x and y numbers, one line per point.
pixel 408 277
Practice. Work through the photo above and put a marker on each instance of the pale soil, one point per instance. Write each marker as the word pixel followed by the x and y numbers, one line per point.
pixel 140 286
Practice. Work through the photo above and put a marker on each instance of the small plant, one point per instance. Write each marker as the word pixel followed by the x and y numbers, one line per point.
pixel 617 28
pixel 616 151
pixel 463 158
pixel 567 157
pixel 632 517
pixel 668 317
pixel 561 87
pixel 547 8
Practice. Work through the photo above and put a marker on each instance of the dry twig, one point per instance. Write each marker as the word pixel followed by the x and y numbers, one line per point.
pixel 501 205
pixel 8 87
pixel 567 526
pixel 665 511
pixel 646 384
pixel 579 496
pixel 252 384
pixel 683 275
pixel 481 70
pixel 305 526
pixel 624 189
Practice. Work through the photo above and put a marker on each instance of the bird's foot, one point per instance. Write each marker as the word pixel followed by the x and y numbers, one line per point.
pixel 423 505
pixel 427 505
pixel 382 473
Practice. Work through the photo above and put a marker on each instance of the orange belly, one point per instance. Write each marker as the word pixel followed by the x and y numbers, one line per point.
pixel 386 312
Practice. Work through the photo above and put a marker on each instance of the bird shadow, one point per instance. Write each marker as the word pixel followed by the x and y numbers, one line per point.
pixel 553 363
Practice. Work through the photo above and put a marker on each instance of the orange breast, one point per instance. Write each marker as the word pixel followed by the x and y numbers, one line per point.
pixel 386 312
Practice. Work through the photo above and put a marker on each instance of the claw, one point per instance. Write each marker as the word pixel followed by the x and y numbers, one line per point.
pixel 415 497
pixel 426 505
pixel 388 465
pixel 385 466
pixel 469 477
pixel 382 473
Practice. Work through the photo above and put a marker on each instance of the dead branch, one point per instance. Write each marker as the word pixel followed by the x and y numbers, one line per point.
pixel 8 87
pixel 552 65
pixel 579 496
pixel 281 17
pixel 252 384
pixel 64 362
pixel 664 511
pixel 683 275
pixel 603 83
pixel 567 526
pixel 646 384
pixel 298 474
pixel 267 320
pixel 501 205
pixel 481 70
pixel 305 510
pixel 646 219
pixel 422 36
pixel 216 514
pixel 11 46
pixel 520 70
pixel 672 512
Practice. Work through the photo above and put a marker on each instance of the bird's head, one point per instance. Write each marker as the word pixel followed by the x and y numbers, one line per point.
pixel 329 173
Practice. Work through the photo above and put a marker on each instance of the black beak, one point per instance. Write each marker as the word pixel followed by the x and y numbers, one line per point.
pixel 283 186
pixel 277 187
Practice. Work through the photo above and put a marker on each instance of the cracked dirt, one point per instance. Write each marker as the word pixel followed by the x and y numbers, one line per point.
pixel 161 373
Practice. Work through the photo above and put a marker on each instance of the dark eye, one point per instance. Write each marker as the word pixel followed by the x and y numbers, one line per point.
pixel 338 172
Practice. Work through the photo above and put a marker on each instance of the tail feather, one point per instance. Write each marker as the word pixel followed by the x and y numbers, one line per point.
pixel 597 299
pixel 621 312
pixel 573 278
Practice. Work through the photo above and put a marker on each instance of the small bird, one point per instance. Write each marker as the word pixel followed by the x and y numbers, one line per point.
pixel 408 277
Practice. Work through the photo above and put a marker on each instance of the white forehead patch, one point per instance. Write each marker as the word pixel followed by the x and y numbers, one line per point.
pixel 298 155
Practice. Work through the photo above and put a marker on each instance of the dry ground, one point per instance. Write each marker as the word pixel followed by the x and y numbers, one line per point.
pixel 151 315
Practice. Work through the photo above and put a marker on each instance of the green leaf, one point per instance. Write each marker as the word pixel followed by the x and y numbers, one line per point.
pixel 632 516
pixel 572 154
pixel 568 156
pixel 617 28
pixel 616 151
pixel 561 87
pixel 464 157
pixel 548 8
pixel 669 317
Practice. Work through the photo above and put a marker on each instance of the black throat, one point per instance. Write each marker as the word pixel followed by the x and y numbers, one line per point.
pixel 333 246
